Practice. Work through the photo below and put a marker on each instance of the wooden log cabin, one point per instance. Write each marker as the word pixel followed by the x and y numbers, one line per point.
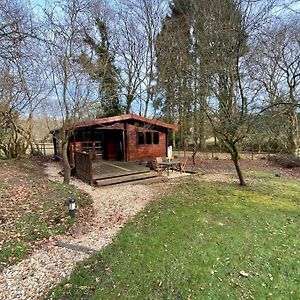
pixel 126 137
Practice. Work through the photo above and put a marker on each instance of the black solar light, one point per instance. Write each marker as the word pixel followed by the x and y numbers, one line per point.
pixel 72 207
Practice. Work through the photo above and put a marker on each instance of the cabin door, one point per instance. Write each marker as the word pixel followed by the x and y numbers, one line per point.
pixel 114 145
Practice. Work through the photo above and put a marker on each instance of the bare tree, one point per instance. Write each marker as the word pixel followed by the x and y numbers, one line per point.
pixel 281 49
pixel 71 85
pixel 141 27
pixel 16 29
pixel 20 93
pixel 130 54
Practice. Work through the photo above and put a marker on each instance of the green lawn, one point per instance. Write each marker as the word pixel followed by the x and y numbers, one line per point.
pixel 203 241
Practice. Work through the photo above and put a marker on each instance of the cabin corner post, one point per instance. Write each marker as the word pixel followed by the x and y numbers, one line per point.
pixel 124 144
pixel 90 170
pixel 127 148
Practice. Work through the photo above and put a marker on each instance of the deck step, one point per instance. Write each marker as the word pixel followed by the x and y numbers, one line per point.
pixel 125 179
pixel 122 175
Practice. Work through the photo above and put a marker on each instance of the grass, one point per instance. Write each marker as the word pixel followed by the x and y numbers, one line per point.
pixel 32 209
pixel 203 241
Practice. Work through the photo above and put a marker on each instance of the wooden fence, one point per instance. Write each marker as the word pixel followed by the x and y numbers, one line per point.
pixel 46 149
pixel 83 166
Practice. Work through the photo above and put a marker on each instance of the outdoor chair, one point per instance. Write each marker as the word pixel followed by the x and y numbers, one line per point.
pixel 158 160
pixel 182 166
pixel 156 165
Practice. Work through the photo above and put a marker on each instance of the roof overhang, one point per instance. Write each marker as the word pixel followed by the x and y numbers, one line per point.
pixel 115 120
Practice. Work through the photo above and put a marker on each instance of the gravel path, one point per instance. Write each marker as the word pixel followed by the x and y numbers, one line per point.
pixel 114 206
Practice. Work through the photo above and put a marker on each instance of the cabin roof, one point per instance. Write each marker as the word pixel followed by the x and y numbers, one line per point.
pixel 120 118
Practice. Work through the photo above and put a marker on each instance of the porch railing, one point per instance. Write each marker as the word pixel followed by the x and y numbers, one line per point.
pixel 83 166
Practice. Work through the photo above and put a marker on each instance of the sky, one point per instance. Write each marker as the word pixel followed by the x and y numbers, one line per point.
pixel 38 4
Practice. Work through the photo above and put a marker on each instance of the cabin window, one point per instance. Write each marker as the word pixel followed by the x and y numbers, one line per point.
pixel 141 138
pixel 86 146
pixel 148 138
pixel 155 138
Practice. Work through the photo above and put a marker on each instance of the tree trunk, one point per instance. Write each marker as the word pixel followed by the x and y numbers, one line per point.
pixel 67 168
pixel 202 131
pixel 236 161
pixel 174 140
pixel 293 132
pixel 129 101
pixel 29 132
pixel 184 147
pixel 195 149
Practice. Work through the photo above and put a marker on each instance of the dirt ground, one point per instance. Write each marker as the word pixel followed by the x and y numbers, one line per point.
pixel 218 168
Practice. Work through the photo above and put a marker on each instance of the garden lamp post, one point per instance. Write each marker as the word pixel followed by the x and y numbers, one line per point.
pixel 72 207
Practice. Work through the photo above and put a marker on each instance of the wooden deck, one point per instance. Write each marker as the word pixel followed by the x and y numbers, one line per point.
pixel 108 169
pixel 116 172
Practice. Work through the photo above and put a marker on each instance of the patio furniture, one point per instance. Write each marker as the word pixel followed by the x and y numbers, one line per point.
pixel 156 165
pixel 172 164
pixel 183 164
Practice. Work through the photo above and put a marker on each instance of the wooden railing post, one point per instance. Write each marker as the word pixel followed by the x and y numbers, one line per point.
pixel 84 166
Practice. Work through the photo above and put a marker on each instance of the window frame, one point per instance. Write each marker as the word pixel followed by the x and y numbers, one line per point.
pixel 144 136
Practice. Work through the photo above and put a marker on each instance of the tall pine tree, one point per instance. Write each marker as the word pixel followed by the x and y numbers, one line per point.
pixel 206 40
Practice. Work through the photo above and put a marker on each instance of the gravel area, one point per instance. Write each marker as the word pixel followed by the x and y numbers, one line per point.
pixel 114 206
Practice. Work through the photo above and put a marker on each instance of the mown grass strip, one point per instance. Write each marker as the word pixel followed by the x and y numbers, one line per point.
pixel 204 241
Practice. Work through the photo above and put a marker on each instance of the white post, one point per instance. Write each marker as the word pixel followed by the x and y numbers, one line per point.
pixel 170 153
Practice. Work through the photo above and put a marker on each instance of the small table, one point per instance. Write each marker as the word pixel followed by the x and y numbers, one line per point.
pixel 170 164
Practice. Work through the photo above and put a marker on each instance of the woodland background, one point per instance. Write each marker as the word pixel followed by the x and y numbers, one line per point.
pixel 223 71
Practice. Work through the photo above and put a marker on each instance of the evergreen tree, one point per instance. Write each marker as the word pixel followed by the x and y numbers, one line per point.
pixel 102 70
pixel 210 39
pixel 174 61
